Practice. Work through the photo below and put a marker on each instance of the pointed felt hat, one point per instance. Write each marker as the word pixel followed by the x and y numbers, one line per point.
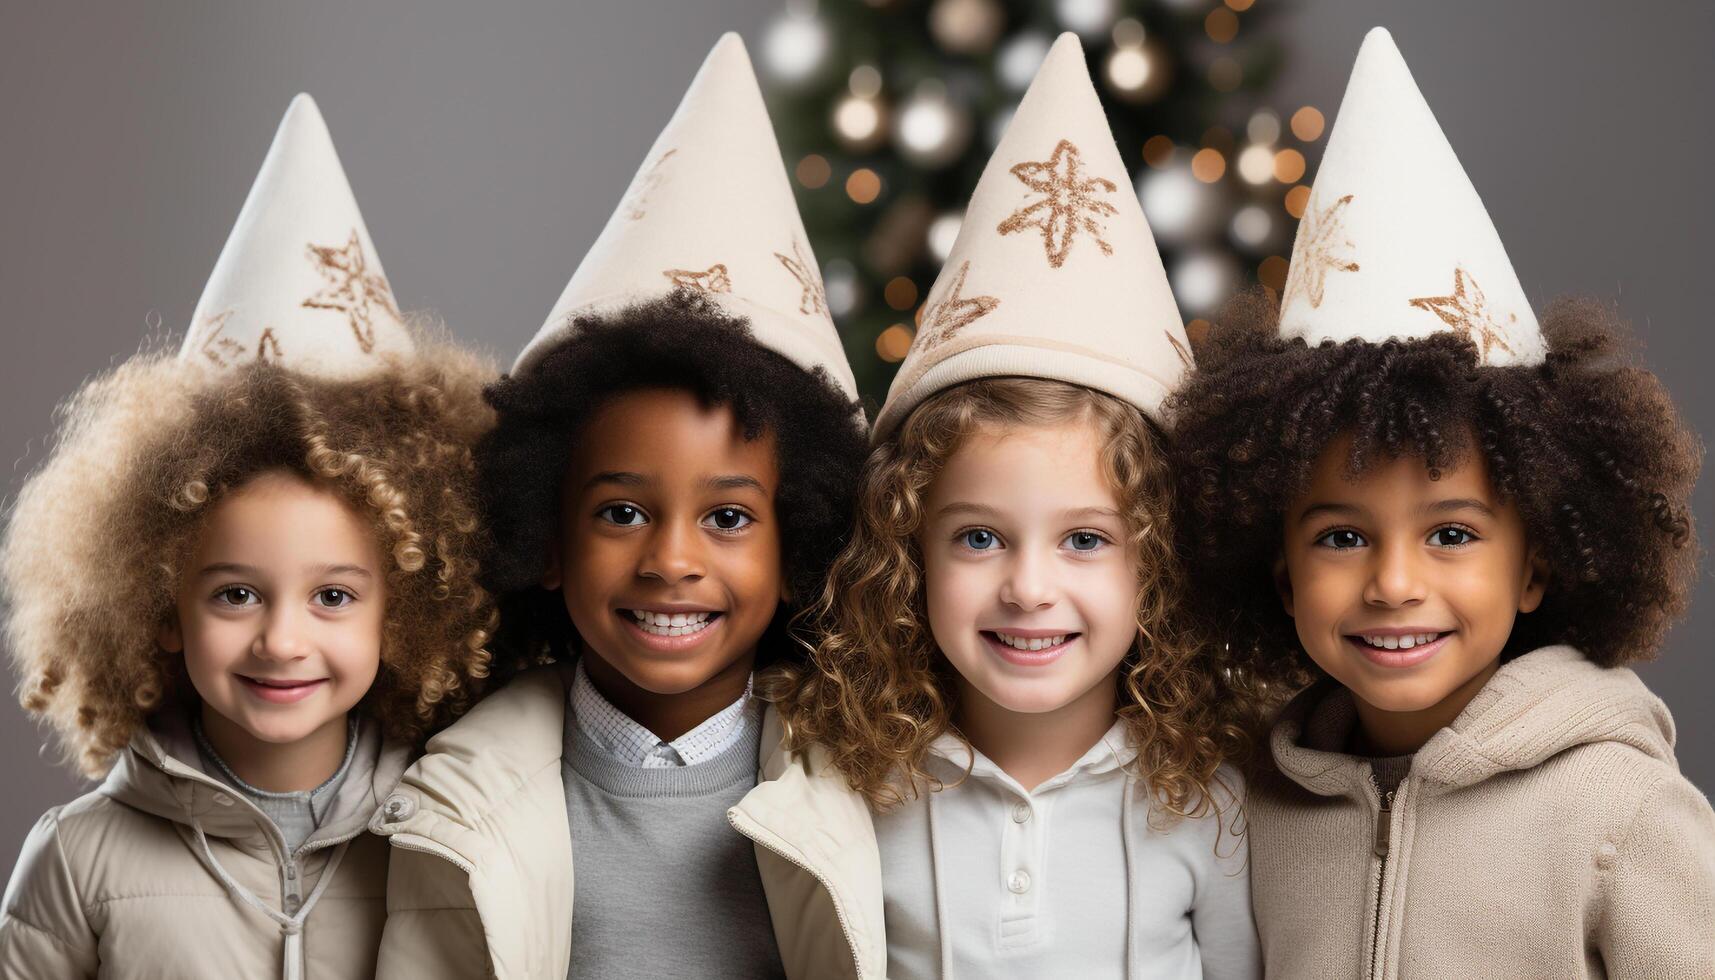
pixel 711 210
pixel 1055 273
pixel 1394 241
pixel 298 282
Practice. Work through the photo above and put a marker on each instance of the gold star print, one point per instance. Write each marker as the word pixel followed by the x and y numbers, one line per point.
pixel 637 199
pixel 224 351
pixel 1179 348
pixel 947 316
pixel 1068 203
pixel 814 298
pixel 351 288
pixel 712 280
pixel 1316 252
pixel 1467 311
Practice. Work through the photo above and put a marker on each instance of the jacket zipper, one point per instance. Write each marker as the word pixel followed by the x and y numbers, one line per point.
pixel 1383 843
pixel 839 913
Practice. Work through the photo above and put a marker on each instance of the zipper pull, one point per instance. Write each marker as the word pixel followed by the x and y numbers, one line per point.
pixel 1384 825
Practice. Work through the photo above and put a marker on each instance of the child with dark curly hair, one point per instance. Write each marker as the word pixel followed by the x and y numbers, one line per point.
pixel 243 588
pixel 1005 679
pixel 1463 526
pixel 670 474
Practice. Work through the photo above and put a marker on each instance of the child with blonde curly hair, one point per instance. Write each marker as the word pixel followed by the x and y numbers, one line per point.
pixel 242 587
pixel 1004 676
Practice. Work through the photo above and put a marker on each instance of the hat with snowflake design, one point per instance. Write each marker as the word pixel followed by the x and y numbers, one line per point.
pixel 1394 242
pixel 298 283
pixel 1055 273
pixel 711 211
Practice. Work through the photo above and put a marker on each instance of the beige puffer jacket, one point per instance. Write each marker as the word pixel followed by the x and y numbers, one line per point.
pixel 163 871
pixel 480 881
pixel 1546 833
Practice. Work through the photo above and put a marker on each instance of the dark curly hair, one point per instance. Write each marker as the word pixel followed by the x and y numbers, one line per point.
pixel 1588 445
pixel 680 341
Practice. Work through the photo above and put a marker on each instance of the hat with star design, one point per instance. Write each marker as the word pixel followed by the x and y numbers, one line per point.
pixel 298 282
pixel 1055 273
pixel 1394 241
pixel 711 210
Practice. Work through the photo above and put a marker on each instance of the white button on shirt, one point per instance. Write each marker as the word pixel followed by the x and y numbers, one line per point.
pixel 634 745
pixel 1046 883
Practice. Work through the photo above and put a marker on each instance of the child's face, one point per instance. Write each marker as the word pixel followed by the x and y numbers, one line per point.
pixel 669 548
pixel 1403 588
pixel 280 611
pixel 1030 590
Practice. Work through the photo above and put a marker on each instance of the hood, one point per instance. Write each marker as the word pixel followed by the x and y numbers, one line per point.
pixel 1535 707
pixel 158 774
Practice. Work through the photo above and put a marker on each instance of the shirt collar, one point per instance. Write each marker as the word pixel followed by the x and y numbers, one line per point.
pixel 1110 752
pixel 634 745
pixel 317 801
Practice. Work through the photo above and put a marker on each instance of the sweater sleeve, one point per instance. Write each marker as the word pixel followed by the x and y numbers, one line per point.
pixel 1221 916
pixel 44 933
pixel 1658 910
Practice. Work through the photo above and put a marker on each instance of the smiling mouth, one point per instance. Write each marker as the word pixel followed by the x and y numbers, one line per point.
pixel 1406 641
pixel 1030 644
pixel 670 624
pixel 281 691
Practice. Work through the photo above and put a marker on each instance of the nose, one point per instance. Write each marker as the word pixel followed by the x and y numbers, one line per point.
pixel 1029 583
pixel 1395 577
pixel 285 635
pixel 672 554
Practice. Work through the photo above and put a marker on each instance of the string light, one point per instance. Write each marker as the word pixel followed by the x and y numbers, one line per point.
pixel 894 343
pixel 863 186
pixel 814 171
pixel 857 122
pixel 1256 164
pixel 900 293
pixel 1264 127
pixel 1222 25
pixel 1272 273
pixel 943 232
pixel 1208 165
pixel 1252 226
pixel 1307 124
pixel 1158 151
pixel 795 45
pixel 1288 166
pixel 1296 200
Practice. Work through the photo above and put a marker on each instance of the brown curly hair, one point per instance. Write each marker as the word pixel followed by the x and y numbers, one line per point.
pixel 1587 445
pixel 878 692
pixel 97 537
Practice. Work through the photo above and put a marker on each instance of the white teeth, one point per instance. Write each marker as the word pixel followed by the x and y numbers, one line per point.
pixel 1030 643
pixel 1400 642
pixel 671 624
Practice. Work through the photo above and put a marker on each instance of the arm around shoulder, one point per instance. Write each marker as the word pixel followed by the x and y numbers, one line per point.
pixel 1658 917
pixel 44 931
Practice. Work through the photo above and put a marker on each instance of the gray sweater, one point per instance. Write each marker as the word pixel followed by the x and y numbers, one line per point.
pixel 665 887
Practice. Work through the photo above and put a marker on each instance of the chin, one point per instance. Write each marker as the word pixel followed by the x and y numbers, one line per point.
pixel 1403 696
pixel 1029 697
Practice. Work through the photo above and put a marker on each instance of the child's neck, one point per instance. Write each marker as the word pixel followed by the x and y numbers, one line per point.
pixel 1382 734
pixel 277 767
pixel 1034 747
pixel 669 716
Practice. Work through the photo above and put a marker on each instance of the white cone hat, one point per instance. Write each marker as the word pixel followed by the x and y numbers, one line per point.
pixel 711 210
pixel 1055 273
pixel 298 282
pixel 1394 241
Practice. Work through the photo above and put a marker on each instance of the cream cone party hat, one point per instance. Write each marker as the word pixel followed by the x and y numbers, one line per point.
pixel 711 210
pixel 1394 241
pixel 1055 273
pixel 298 282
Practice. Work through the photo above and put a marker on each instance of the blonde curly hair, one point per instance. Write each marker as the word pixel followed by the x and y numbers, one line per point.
pixel 877 691
pixel 96 540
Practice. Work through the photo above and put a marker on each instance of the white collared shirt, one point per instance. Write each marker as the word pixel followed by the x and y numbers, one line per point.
pixel 988 879
pixel 634 745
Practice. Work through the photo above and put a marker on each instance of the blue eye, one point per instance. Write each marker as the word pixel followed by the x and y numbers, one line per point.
pixel 1085 541
pixel 623 515
pixel 1451 537
pixel 978 539
pixel 334 598
pixel 1341 540
pixel 729 519
pixel 237 595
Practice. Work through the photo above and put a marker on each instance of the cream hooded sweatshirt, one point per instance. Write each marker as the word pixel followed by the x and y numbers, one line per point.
pixel 1546 833
pixel 164 871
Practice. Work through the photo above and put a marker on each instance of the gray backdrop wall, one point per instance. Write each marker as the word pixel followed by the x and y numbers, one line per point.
pixel 487 144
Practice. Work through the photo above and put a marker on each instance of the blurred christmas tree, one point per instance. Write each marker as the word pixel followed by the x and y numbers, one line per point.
pixel 888 109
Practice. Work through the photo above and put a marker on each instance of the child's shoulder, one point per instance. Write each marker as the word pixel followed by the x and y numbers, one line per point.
pixel 76 841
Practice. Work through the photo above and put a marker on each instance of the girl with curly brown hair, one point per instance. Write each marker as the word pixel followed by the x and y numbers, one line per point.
pixel 1005 677
pixel 1463 526
pixel 242 588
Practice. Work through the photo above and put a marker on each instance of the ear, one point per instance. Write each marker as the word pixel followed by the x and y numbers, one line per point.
pixel 169 637
pixel 1535 583
pixel 1283 583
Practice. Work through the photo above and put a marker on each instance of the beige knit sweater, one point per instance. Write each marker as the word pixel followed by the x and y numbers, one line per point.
pixel 1546 833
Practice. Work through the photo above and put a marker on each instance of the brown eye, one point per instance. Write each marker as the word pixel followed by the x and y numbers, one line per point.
pixel 728 519
pixel 623 515
pixel 236 595
pixel 1451 537
pixel 334 598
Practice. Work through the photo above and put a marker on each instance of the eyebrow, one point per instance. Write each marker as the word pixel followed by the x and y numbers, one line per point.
pixel 621 477
pixel 736 481
pixel 234 568
pixel 1331 510
pixel 1077 512
pixel 967 508
pixel 1460 503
